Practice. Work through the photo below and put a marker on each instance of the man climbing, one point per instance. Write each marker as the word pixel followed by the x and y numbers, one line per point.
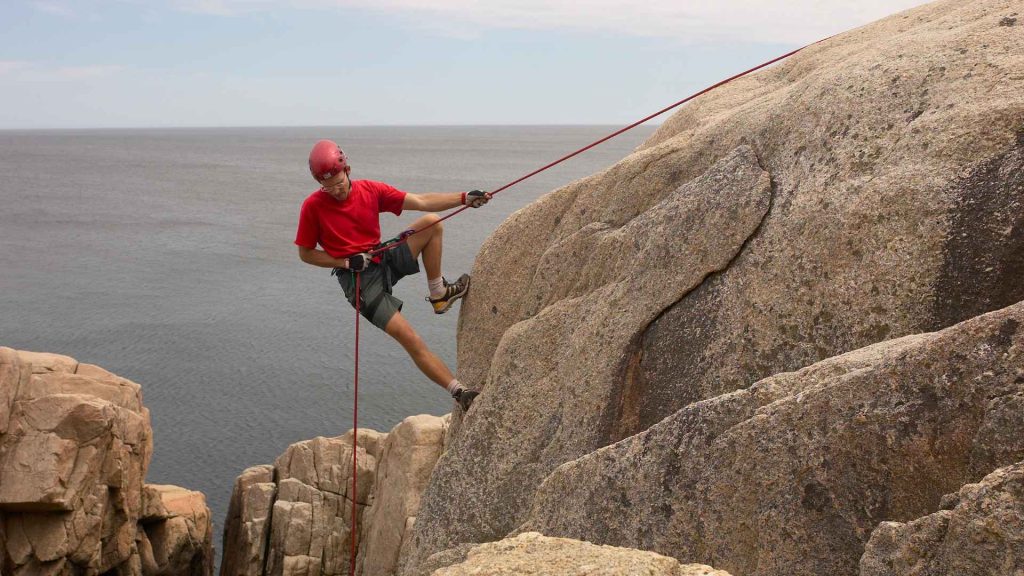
pixel 342 216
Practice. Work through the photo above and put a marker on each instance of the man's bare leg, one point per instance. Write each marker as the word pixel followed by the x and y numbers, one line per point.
pixel 428 243
pixel 428 362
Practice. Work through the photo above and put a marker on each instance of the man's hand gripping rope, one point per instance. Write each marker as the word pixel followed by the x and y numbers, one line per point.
pixel 475 198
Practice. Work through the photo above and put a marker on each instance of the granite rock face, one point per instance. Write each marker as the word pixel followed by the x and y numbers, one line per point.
pixel 792 475
pixel 175 532
pixel 295 517
pixel 311 519
pixel 868 188
pixel 248 522
pixel 533 554
pixel 75 443
pixel 979 532
pixel 406 461
pixel 898 155
pixel 554 371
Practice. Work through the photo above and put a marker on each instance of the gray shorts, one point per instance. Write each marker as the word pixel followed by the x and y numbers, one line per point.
pixel 377 304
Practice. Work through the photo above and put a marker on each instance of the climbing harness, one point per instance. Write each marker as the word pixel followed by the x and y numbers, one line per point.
pixel 405 235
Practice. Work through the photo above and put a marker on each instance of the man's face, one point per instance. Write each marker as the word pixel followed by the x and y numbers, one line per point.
pixel 338 185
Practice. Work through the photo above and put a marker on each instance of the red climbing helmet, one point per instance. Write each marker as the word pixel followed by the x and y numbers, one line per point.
pixel 326 159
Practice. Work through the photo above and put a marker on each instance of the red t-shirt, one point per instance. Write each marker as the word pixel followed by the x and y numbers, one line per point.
pixel 348 227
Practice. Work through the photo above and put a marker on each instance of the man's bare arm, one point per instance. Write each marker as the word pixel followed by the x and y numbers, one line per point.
pixel 320 258
pixel 432 201
pixel 438 201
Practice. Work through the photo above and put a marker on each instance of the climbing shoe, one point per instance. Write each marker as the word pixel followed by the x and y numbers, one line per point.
pixel 465 396
pixel 452 292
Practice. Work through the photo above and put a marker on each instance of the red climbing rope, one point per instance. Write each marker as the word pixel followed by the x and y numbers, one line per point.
pixel 355 434
pixel 404 237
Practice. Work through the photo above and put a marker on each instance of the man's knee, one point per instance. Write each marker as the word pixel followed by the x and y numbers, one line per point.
pixel 431 227
pixel 400 329
pixel 434 221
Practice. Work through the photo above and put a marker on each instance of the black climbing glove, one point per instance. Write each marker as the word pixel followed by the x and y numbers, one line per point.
pixel 476 198
pixel 359 262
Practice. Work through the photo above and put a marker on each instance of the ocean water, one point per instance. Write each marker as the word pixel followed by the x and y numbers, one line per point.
pixel 166 256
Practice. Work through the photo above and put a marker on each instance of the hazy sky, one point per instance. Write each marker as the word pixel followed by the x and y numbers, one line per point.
pixel 117 63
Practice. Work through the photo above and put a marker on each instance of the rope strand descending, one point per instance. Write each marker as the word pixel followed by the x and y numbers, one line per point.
pixel 355 433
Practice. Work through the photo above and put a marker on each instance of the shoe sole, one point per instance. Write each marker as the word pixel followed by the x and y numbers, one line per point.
pixel 457 296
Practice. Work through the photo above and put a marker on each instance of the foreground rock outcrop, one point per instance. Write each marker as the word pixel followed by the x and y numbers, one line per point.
pixel 978 532
pixel 248 522
pixel 311 522
pixel 405 463
pixel 866 189
pixel 75 444
pixel 295 517
pixel 175 532
pixel 793 474
pixel 533 554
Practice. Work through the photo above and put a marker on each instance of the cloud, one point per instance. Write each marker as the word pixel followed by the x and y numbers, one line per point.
pixel 38 72
pixel 11 66
pixel 85 72
pixel 53 8
pixel 231 7
pixel 797 21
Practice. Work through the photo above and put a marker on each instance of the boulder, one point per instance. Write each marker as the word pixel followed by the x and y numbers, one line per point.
pixel 72 464
pixel 75 443
pixel 792 474
pixel 295 517
pixel 61 447
pixel 174 534
pixel 407 458
pixel 247 525
pixel 868 188
pixel 979 532
pixel 311 518
pixel 533 554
